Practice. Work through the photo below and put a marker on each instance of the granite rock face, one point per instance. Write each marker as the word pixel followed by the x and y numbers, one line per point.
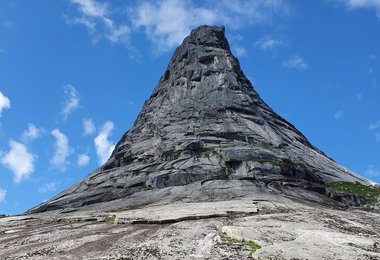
pixel 205 122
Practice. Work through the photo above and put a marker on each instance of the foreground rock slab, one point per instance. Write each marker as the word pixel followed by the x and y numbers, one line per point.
pixel 284 229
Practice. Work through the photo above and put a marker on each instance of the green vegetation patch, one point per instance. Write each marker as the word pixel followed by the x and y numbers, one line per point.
pixel 282 164
pixel 233 240
pixel 111 219
pixel 253 245
pixel 370 193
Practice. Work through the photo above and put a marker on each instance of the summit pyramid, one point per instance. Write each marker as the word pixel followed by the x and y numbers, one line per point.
pixel 204 134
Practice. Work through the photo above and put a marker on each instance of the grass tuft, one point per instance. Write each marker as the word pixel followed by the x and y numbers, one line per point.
pixel 111 219
pixel 370 193
pixel 253 245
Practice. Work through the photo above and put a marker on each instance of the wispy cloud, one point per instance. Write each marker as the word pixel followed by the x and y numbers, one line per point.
pixel 97 18
pixel 5 103
pixel 356 4
pixel 47 187
pixel 240 51
pixel 156 18
pixel 83 159
pixel 269 43
pixel 88 126
pixel 90 25
pixel 62 150
pixel 92 8
pixel 31 133
pixel 374 125
pixel 19 160
pixel 3 193
pixel 103 146
pixel 295 62
pixel 240 13
pixel 339 114
pixel 71 102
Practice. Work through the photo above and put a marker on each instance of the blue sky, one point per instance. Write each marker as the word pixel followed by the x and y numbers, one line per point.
pixel 74 75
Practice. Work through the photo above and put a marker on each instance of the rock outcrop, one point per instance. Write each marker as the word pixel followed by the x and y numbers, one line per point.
pixel 205 125
pixel 279 226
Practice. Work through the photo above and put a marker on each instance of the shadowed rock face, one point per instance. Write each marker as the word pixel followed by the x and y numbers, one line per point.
pixel 204 122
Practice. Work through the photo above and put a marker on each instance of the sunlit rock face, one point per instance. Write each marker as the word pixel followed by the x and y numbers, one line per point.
pixel 204 123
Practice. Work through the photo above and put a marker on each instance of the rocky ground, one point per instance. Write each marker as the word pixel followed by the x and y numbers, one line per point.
pixel 278 227
pixel 208 171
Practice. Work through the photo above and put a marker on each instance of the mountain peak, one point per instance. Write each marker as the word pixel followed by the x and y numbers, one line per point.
pixel 206 133
pixel 208 36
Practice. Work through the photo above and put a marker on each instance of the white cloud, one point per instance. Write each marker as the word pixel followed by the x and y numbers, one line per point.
pixel 72 100
pixel 295 62
pixel 269 43
pixel 3 193
pixel 88 127
pixel 239 13
pixel 83 159
pixel 119 34
pixel 156 18
pixel 103 146
pixel 339 114
pixel 167 22
pixel 92 8
pixel 89 24
pixel 5 103
pixel 19 160
pixel 374 125
pixel 62 150
pixel 48 187
pixel 355 4
pixel 240 51
pixel 96 17
pixel 31 133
